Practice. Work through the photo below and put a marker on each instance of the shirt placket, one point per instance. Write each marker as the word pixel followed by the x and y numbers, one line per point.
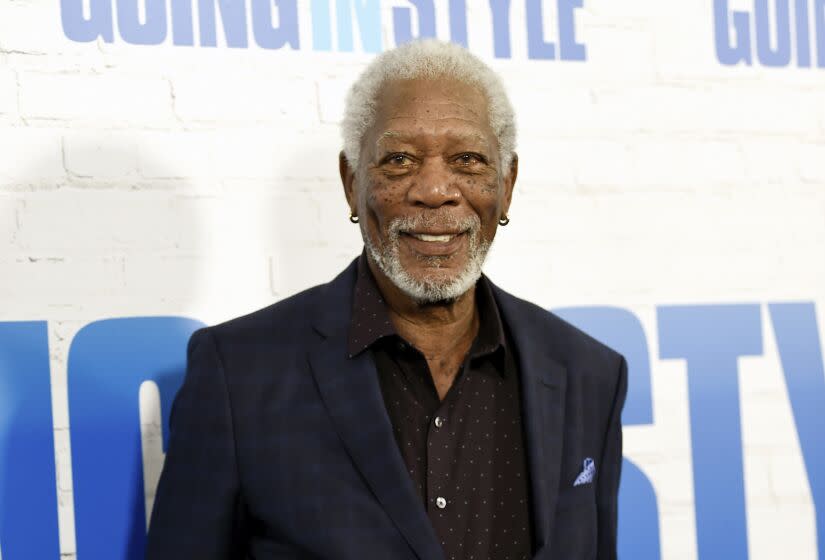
pixel 444 511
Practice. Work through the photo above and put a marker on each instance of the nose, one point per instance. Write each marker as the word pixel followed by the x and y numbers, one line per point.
pixel 434 186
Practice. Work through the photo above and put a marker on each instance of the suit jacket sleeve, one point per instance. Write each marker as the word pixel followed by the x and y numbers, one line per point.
pixel 197 502
pixel 611 465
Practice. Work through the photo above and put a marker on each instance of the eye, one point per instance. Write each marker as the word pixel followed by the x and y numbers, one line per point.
pixel 397 160
pixel 469 158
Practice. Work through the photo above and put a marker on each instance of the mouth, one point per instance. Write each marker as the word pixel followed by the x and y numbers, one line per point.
pixel 433 237
pixel 431 244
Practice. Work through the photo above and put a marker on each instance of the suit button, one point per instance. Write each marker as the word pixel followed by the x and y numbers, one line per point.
pixel 440 502
pixel 439 421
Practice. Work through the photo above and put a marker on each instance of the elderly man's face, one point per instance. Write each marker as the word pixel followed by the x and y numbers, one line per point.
pixel 429 189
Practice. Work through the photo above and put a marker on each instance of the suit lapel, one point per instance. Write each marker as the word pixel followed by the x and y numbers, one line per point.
pixel 544 382
pixel 351 393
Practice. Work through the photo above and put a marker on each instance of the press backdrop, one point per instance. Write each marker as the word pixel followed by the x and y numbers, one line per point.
pixel 169 163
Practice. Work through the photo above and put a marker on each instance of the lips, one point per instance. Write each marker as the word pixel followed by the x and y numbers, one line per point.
pixel 433 238
pixel 434 244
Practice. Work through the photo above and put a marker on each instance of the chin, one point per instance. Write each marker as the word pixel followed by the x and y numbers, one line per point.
pixel 430 285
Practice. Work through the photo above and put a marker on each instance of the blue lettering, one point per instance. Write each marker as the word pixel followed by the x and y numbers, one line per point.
pixel 402 21
pixel 769 56
pixel 182 27
pixel 740 50
pixel 638 507
pixel 568 47
pixel 28 491
pixel 803 36
pixel 233 16
pixel 501 27
pixel 152 32
pixel 368 14
pixel 108 362
pixel 797 338
pixel 458 22
pixel 269 37
pixel 321 25
pixel 711 338
pixel 77 28
pixel 819 18
pixel 536 45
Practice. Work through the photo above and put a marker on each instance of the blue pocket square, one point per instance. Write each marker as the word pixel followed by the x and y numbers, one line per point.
pixel 587 474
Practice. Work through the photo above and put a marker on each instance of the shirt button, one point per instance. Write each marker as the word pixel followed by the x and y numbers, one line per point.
pixel 439 421
pixel 440 502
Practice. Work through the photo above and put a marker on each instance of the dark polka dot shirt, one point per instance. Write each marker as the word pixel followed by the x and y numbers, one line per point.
pixel 465 454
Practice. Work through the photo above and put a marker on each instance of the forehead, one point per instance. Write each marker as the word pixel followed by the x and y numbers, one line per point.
pixel 430 106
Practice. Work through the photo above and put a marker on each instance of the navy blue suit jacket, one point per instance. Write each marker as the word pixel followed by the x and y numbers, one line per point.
pixel 281 447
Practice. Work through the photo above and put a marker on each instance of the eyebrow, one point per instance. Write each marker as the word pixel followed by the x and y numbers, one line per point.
pixel 404 136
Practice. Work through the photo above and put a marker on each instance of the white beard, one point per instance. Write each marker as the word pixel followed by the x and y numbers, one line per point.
pixel 429 291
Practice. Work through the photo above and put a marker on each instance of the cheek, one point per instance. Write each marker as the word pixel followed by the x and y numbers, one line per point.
pixel 381 197
pixel 483 193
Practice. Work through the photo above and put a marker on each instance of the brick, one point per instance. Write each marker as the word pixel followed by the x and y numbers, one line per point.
pixel 18 20
pixel 65 495
pixel 604 163
pixel 278 220
pixel 260 153
pixel 766 162
pixel 545 165
pixel 176 154
pixel 111 156
pixel 685 46
pixel 151 440
pixel 772 526
pixel 689 163
pixel 252 98
pixel 82 222
pixel 335 229
pixel 110 97
pixel 332 94
pixel 8 92
pixel 316 265
pixel 633 62
pixel 175 276
pixel 56 280
pixel 9 210
pixel 811 163
pixel 31 157
pixel 563 109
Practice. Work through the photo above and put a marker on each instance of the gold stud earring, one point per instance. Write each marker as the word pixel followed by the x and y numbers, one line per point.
pixel 353 218
pixel 504 221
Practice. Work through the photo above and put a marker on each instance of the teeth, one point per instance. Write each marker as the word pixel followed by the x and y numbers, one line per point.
pixel 433 238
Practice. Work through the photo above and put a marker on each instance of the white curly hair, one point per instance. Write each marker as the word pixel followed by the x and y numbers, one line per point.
pixel 428 58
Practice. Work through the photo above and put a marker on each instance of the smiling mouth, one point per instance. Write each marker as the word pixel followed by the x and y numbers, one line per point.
pixel 433 238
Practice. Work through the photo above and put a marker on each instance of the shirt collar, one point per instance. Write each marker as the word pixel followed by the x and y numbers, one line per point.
pixel 370 320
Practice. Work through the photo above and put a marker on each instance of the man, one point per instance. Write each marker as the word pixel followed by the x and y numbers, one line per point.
pixel 409 408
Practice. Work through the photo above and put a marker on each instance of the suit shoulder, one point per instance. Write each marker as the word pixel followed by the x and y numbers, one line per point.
pixel 285 317
pixel 569 343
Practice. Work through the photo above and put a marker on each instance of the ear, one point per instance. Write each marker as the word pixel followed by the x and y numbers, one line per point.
pixel 509 183
pixel 347 181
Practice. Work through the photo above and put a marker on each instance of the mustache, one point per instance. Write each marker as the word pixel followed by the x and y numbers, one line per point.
pixel 434 221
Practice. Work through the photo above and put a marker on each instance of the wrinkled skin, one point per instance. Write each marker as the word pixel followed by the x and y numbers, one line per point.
pixel 431 154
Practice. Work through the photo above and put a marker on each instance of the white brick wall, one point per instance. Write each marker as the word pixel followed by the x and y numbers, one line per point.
pixel 203 182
